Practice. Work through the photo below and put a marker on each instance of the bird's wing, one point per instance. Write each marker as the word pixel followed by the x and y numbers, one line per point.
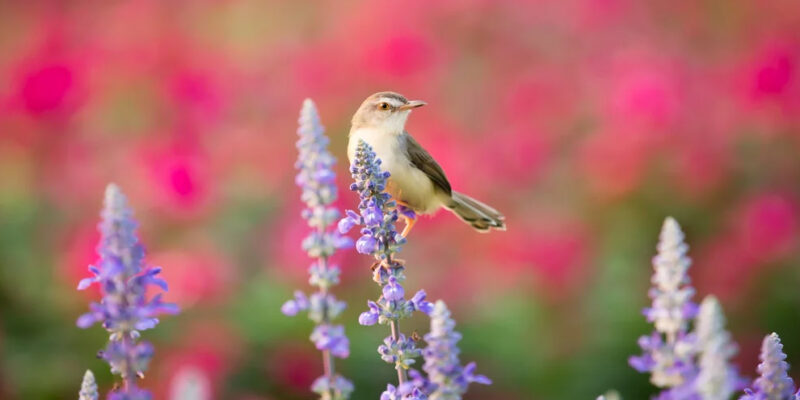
pixel 421 159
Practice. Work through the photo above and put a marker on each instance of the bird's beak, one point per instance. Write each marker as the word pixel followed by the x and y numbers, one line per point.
pixel 412 104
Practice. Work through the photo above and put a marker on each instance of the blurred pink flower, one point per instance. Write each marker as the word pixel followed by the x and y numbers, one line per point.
pixel 767 226
pixel 72 173
pixel 645 94
pixel 197 274
pixel 400 54
pixel 208 348
pixel 534 97
pixel 772 74
pixel 241 155
pixel 181 183
pixel 614 160
pixel 190 383
pixel 763 230
pixel 723 268
pixel 766 80
pixel 596 15
pixel 515 156
pixel 556 251
pixel 195 92
pixel 46 88
pixel 558 259
pixel 293 365
pixel 48 80
pixel 698 168
pixel 312 76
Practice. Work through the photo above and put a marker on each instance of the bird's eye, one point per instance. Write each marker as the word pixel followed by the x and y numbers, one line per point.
pixel 384 106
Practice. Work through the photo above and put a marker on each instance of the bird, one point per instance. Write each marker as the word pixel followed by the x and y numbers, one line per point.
pixel 416 181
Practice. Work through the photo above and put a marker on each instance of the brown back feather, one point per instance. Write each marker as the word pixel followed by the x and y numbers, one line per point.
pixel 421 159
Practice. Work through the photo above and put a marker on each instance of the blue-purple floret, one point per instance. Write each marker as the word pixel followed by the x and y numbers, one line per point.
pixel 316 179
pixel 773 382
pixel 401 351
pixel 125 309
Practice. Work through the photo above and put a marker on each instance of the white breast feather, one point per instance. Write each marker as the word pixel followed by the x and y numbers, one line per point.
pixel 406 183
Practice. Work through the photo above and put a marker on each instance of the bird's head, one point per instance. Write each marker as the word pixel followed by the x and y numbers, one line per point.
pixel 386 111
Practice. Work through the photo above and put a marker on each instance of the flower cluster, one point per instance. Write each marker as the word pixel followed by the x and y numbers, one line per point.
pixel 670 349
pixel 696 366
pixel 317 180
pixel 377 210
pixel 773 382
pixel 445 372
pixel 406 391
pixel 716 379
pixel 379 238
pixel 125 309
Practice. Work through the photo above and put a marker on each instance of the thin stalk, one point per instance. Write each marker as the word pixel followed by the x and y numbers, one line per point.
pixel 401 372
pixel 327 357
pixel 395 327
pixel 129 375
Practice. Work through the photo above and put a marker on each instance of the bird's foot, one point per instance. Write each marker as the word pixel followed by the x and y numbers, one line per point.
pixel 409 224
pixel 375 265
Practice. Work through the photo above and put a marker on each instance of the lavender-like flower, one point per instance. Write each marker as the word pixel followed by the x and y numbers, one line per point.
pixel 317 180
pixel 406 391
pixel 669 351
pixel 379 238
pixel 442 363
pixel 88 387
pixel 125 309
pixel 773 382
pixel 717 379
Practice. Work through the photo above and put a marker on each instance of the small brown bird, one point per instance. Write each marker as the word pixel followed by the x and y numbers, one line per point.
pixel 417 181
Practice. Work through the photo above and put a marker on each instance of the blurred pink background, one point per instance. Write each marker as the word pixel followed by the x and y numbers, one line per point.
pixel 586 121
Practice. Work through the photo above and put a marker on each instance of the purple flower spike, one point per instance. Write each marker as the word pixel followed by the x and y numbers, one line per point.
pixel 377 215
pixel 773 382
pixel 669 352
pixel 125 309
pixel 88 387
pixel 318 183
pixel 716 378
pixel 442 363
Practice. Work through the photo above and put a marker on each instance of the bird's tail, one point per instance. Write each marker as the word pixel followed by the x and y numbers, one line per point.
pixel 482 217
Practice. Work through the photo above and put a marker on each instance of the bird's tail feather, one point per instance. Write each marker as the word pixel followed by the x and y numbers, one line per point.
pixel 482 217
